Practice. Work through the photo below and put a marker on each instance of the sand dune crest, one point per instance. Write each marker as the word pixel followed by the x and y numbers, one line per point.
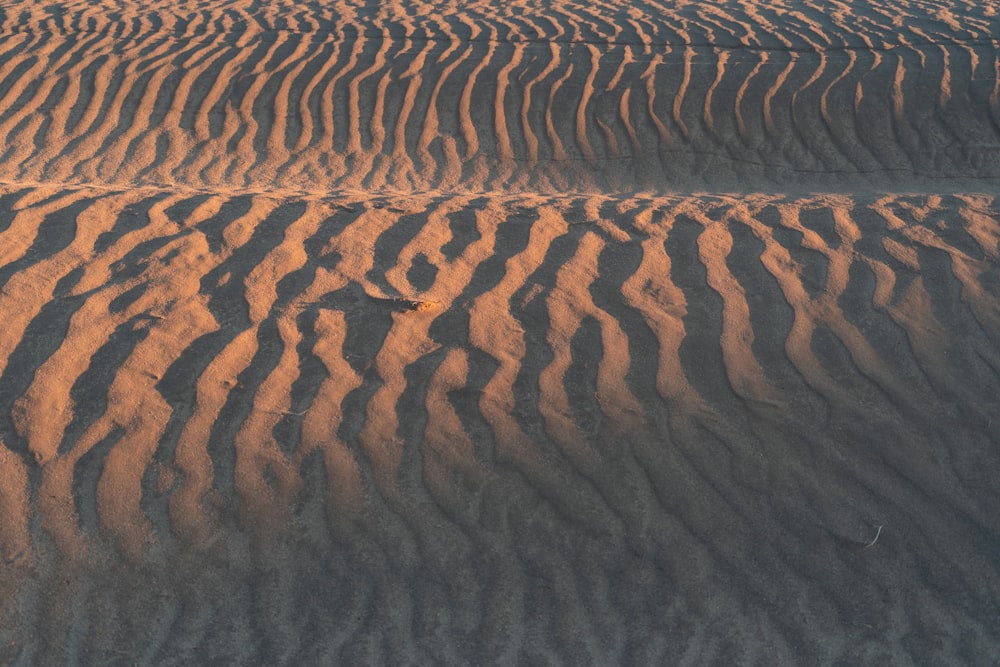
pixel 521 333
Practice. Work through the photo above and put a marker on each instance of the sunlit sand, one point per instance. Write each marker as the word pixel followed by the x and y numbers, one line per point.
pixel 500 333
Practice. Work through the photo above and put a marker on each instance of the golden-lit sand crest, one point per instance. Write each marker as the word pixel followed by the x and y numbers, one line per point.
pixel 579 333
pixel 605 99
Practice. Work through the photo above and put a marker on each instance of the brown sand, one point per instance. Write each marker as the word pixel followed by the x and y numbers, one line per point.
pixel 501 333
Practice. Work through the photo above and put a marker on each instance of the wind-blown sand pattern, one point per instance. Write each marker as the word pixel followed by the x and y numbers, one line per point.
pixel 555 333
pixel 596 98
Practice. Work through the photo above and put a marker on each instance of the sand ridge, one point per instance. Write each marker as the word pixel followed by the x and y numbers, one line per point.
pixel 481 333
pixel 612 358
pixel 687 99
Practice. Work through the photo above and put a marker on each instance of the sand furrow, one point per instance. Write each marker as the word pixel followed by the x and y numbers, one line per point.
pixel 505 150
pixel 125 104
pixel 448 171
pixel 361 157
pixel 403 169
pixel 559 154
pixel 570 332
pixel 283 111
pixel 203 374
pixel 737 337
pixel 678 101
pixel 530 137
pixel 582 139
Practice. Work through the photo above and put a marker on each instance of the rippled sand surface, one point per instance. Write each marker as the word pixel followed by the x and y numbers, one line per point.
pixel 500 333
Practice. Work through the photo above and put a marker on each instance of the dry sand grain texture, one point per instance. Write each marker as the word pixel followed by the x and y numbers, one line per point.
pixel 540 332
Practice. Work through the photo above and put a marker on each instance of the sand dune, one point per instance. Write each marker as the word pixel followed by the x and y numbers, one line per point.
pixel 429 388
pixel 582 99
pixel 544 333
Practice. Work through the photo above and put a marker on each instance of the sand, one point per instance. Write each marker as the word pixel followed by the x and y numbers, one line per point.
pixel 500 333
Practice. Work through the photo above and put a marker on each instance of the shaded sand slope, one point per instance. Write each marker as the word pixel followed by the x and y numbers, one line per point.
pixel 393 333
pixel 470 428
pixel 583 97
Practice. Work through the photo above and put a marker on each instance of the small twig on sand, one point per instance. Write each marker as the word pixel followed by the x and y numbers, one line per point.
pixel 875 539
pixel 13 559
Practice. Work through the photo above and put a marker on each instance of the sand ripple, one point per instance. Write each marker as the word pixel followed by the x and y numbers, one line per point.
pixel 581 98
pixel 586 333
pixel 463 400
